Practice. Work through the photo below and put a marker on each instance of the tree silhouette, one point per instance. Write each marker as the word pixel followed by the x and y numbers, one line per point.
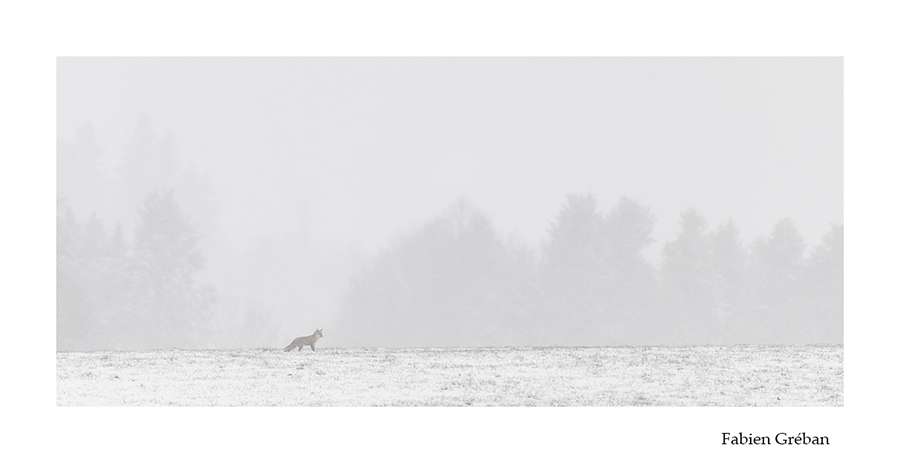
pixel 824 286
pixel 776 267
pixel 148 164
pixel 687 279
pixel 93 282
pixel 633 290
pixel 574 274
pixel 75 320
pixel 166 259
pixel 446 284
pixel 729 279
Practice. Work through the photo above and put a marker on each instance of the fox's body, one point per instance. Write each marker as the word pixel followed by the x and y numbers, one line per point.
pixel 305 341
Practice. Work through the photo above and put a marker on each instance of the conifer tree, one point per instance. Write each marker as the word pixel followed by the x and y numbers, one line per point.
pixel 169 303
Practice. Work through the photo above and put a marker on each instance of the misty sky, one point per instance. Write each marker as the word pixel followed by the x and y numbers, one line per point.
pixel 354 150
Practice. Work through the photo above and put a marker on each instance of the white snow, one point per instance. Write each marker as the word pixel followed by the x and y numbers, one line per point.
pixel 557 376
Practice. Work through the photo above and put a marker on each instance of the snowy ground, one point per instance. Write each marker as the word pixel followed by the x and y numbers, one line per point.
pixel 553 376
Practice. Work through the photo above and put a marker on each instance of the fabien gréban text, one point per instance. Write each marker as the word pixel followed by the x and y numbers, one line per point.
pixel 781 438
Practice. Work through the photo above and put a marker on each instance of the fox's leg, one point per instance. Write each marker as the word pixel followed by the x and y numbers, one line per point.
pixel 313 347
pixel 299 348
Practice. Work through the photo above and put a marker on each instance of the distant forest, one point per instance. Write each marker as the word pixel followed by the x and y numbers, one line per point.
pixel 454 283
pixel 451 282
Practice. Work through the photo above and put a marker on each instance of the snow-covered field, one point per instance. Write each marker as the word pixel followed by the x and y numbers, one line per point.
pixel 526 376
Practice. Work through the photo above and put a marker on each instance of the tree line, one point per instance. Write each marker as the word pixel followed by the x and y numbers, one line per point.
pixel 111 295
pixel 135 285
pixel 454 282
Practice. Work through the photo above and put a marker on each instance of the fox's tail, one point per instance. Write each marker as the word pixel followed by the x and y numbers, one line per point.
pixel 290 346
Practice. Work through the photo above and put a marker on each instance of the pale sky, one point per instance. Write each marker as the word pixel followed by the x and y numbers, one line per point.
pixel 358 149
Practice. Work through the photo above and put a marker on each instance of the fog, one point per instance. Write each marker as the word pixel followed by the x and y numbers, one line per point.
pixel 427 201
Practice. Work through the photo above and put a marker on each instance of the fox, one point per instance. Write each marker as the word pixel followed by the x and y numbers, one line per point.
pixel 306 341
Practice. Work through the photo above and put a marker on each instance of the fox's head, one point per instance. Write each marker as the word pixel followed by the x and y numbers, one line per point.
pixel 318 333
